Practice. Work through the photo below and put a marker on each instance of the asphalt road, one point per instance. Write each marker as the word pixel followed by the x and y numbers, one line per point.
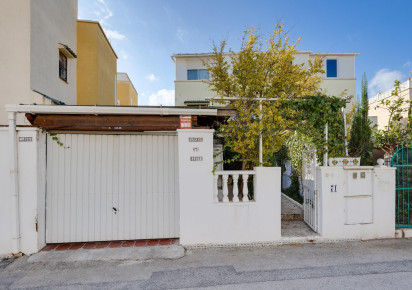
pixel 385 264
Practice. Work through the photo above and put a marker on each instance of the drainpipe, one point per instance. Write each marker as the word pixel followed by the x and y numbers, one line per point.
pixel 14 184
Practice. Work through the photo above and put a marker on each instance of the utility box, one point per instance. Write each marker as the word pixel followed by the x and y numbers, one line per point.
pixel 356 202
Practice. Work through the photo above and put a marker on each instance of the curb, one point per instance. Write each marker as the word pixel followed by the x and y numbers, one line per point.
pixel 283 241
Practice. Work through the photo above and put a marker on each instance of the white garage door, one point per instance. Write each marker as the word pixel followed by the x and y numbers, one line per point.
pixel 104 187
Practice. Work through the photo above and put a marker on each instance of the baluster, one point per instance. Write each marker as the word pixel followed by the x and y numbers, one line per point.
pixel 225 188
pixel 215 188
pixel 235 188
pixel 245 189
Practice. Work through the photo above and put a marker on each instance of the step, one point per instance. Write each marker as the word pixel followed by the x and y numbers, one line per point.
pixel 292 217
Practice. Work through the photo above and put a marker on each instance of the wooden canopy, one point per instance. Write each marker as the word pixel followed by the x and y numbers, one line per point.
pixel 86 122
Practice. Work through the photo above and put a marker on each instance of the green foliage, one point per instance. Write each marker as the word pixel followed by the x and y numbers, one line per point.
pixel 313 113
pixel 256 81
pixel 229 158
pixel 398 129
pixel 57 140
pixel 278 159
pixel 361 143
pixel 296 144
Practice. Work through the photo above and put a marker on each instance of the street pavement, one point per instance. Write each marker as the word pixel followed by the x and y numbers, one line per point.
pixel 383 264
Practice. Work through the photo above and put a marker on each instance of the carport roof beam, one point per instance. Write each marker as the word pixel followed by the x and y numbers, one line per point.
pixel 108 110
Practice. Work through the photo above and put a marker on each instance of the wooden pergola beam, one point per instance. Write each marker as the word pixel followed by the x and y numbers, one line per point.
pixel 104 122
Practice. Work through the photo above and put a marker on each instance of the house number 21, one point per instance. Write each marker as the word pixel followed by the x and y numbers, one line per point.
pixel 333 188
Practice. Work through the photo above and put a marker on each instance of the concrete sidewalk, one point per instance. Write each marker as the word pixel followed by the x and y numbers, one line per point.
pixel 369 264
pixel 110 254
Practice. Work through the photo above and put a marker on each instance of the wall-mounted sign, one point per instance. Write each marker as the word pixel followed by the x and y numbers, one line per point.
pixel 25 139
pixel 185 122
pixel 196 158
pixel 194 139
pixel 333 188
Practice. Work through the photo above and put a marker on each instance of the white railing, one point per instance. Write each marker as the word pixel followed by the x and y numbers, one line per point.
pixel 310 194
pixel 380 96
pixel 232 186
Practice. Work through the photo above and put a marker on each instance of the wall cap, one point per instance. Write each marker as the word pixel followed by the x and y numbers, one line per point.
pixel 195 130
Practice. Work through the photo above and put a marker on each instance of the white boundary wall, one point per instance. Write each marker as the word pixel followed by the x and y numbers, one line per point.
pixel 356 202
pixel 32 174
pixel 203 221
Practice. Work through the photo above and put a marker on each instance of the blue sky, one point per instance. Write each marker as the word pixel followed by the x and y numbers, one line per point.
pixel 146 33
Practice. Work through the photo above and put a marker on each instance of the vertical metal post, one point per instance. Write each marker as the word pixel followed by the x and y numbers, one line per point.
pixel 346 133
pixel 325 156
pixel 260 137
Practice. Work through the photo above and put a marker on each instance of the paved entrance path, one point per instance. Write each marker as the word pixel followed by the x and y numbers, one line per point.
pixel 385 264
pixel 290 211
pixel 292 220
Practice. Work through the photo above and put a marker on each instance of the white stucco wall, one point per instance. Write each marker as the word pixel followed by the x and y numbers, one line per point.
pixel 30 31
pixel 5 198
pixel 203 221
pixel 32 180
pixel 53 22
pixel 15 54
pixel 192 91
pixel 360 208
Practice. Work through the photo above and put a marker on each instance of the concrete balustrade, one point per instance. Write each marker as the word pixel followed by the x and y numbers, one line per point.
pixel 223 189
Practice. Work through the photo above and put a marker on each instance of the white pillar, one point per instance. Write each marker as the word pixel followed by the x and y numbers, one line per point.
pixel 195 163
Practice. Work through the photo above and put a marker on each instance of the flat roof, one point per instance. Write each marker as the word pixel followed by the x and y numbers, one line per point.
pixel 206 54
pixel 118 110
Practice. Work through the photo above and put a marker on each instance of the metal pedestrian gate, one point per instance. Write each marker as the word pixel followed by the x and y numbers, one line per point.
pixel 310 194
pixel 402 160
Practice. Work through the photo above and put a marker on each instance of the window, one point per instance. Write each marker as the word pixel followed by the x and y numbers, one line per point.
pixel 62 66
pixel 331 68
pixel 197 74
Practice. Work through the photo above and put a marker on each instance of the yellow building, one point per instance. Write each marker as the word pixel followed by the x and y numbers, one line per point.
pixel 96 66
pixel 126 92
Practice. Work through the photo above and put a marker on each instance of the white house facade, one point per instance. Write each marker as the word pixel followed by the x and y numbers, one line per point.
pixel 38 53
pixel 191 86
pixel 379 115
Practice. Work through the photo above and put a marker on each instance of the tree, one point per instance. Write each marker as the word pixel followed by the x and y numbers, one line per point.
pixel 361 143
pixel 398 129
pixel 256 81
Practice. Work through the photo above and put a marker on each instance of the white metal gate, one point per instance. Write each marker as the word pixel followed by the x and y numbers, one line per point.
pixel 103 187
pixel 310 194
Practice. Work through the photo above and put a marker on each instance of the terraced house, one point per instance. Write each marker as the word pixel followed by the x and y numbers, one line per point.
pixel 48 56
pixel 191 86
pixel 38 53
